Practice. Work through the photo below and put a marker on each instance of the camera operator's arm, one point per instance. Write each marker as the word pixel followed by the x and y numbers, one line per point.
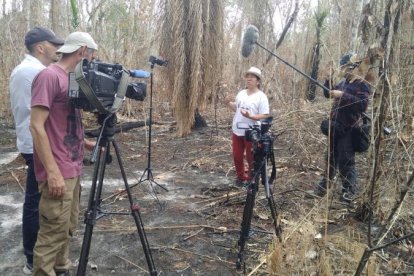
pixel 55 181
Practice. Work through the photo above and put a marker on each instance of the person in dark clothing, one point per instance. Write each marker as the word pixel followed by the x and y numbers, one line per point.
pixel 350 100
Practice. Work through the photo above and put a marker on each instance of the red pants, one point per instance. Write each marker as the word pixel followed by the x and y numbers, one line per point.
pixel 240 146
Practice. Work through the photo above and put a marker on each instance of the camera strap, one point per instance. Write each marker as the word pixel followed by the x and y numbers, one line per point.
pixel 120 94
pixel 87 90
pixel 272 160
pixel 90 94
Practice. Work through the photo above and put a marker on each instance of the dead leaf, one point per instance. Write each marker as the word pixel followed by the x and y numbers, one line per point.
pixel 263 216
pixel 222 228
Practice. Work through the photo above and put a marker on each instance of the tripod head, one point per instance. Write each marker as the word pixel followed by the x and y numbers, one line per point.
pixel 154 60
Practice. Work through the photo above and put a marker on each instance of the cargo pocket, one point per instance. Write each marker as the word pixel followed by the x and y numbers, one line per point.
pixel 50 209
pixel 55 210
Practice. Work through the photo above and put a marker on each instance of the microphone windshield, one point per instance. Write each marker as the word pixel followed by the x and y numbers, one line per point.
pixel 136 73
pixel 251 35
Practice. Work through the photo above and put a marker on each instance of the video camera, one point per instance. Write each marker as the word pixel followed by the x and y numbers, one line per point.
pixel 260 137
pixel 104 81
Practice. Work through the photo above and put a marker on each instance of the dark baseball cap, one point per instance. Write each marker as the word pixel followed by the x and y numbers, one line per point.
pixel 39 34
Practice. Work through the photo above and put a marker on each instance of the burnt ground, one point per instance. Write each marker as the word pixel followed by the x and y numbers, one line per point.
pixel 192 228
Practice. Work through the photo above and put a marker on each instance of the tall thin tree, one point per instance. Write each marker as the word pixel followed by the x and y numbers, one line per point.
pixel 191 41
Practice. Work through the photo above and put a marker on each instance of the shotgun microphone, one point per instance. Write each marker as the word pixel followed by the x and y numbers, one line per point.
pixel 251 35
pixel 136 73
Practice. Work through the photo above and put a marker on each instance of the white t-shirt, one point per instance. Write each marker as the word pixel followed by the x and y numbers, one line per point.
pixel 20 97
pixel 256 103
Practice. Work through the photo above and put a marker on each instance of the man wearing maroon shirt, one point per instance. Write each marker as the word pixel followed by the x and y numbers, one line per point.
pixel 58 153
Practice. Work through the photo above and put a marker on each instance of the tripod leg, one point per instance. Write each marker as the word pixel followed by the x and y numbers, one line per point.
pixel 93 206
pixel 247 219
pixel 136 215
pixel 275 216
pixel 271 202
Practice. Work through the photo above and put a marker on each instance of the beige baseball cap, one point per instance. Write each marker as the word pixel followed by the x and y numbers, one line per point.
pixel 76 40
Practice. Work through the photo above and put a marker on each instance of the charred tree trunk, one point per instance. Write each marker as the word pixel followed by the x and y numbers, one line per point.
pixel 199 121
pixel 314 72
pixel 320 17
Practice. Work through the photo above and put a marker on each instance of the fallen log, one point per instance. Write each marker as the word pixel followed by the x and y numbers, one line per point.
pixel 121 128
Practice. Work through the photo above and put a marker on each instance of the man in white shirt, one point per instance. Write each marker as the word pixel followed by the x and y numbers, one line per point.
pixel 41 44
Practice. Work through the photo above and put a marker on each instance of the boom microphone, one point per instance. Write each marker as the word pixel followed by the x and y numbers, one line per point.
pixel 136 73
pixel 249 40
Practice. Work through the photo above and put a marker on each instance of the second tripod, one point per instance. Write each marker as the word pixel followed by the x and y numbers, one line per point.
pixel 101 156
pixel 148 171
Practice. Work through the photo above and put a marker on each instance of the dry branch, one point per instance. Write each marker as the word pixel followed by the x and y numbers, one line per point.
pixel 370 250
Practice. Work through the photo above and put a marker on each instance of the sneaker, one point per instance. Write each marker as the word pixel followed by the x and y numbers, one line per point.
pixel 239 183
pixel 62 272
pixel 347 197
pixel 28 269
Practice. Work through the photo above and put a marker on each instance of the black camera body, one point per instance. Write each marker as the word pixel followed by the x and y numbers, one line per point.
pixel 104 79
pixel 158 61
pixel 260 137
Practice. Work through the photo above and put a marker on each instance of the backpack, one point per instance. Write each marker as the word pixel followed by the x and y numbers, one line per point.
pixel 337 129
pixel 361 136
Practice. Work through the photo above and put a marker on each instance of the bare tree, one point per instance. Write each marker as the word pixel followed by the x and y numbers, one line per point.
pixel 57 17
pixel 36 13
pixel 195 29
pixel 315 53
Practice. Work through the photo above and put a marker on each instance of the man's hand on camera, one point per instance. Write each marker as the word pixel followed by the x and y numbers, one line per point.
pixel 336 93
pixel 56 184
pixel 89 144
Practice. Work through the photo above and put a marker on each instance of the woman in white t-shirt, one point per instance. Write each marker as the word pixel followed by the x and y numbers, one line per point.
pixel 250 105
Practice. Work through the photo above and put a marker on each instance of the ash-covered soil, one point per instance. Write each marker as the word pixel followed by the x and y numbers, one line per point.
pixel 192 228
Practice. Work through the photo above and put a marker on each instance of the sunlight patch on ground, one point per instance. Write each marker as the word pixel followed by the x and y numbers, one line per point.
pixel 108 182
pixel 11 213
pixel 162 179
pixel 8 157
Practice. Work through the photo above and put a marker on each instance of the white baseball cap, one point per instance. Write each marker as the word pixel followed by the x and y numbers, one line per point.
pixel 76 40
pixel 254 71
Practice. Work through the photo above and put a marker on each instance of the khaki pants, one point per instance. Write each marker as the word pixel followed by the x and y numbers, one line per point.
pixel 58 220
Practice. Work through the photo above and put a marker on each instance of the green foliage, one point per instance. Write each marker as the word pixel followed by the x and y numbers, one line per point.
pixel 75 13
pixel 320 18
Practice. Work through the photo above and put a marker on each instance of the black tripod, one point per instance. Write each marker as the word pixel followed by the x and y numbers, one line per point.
pixel 262 152
pixel 147 174
pixel 101 156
